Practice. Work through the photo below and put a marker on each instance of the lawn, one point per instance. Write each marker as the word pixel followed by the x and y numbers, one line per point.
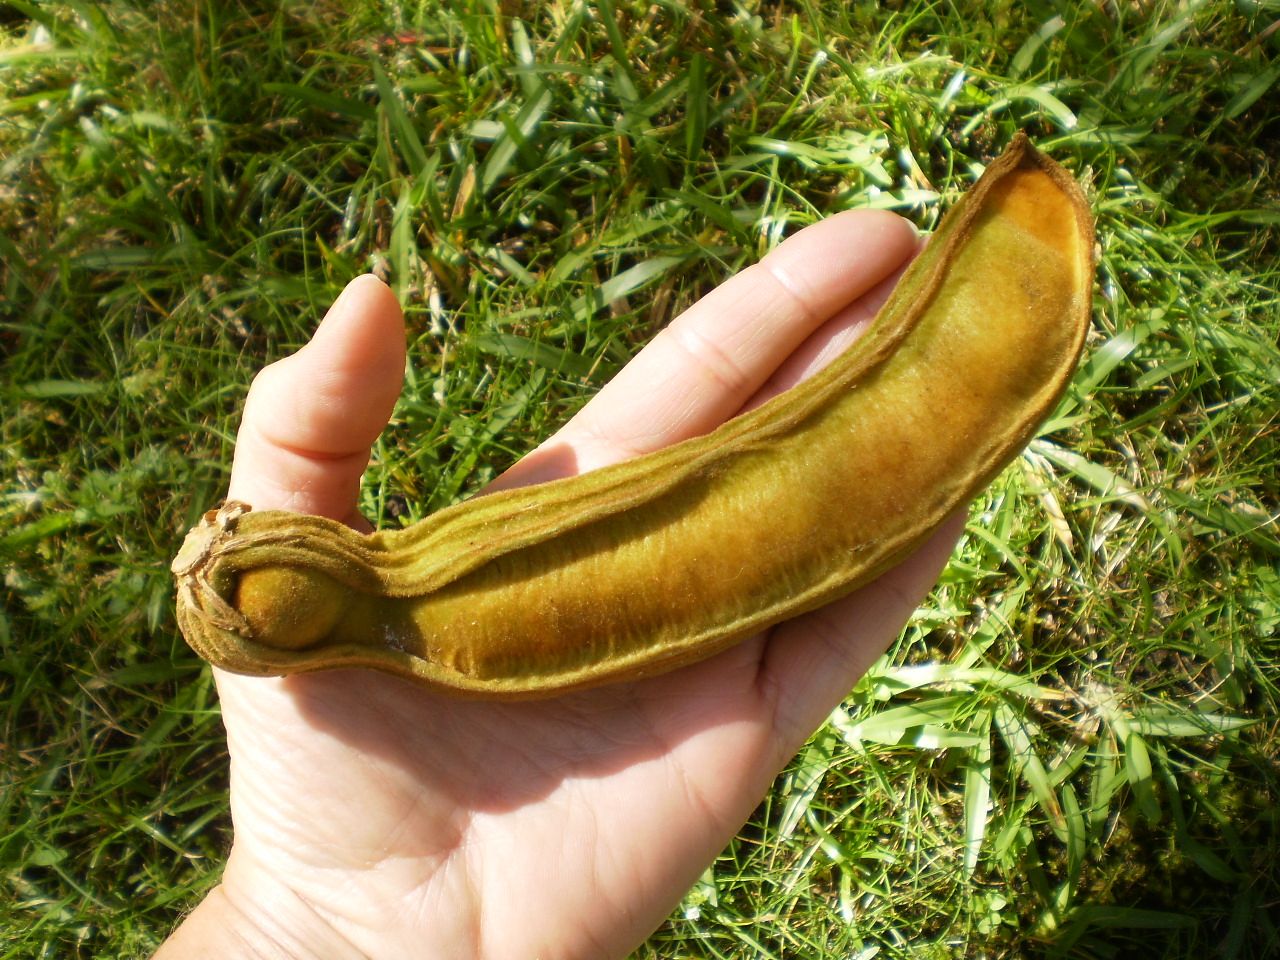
pixel 1072 749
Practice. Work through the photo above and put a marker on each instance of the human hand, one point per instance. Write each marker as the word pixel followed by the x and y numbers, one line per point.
pixel 374 818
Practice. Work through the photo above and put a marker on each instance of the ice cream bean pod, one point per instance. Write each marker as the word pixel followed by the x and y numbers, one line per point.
pixel 641 567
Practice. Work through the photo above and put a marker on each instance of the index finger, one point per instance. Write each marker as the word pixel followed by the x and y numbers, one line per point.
pixel 712 359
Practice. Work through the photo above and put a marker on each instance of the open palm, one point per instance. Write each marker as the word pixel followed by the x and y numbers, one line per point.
pixel 375 818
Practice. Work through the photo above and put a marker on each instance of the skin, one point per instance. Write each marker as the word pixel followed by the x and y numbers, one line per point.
pixel 371 818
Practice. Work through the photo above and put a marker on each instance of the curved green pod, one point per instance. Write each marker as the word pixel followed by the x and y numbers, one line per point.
pixel 641 567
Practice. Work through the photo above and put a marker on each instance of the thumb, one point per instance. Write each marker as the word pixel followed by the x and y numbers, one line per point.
pixel 310 418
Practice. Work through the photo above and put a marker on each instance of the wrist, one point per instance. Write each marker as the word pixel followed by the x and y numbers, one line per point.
pixel 250 916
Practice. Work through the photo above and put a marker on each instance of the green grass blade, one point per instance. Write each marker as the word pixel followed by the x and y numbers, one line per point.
pixel 404 136
pixel 977 793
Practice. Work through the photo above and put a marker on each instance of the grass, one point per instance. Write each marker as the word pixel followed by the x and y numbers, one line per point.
pixel 1071 751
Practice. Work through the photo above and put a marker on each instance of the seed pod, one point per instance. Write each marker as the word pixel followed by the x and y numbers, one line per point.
pixel 641 567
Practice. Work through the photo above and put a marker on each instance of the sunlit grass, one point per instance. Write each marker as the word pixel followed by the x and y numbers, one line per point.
pixel 1071 751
